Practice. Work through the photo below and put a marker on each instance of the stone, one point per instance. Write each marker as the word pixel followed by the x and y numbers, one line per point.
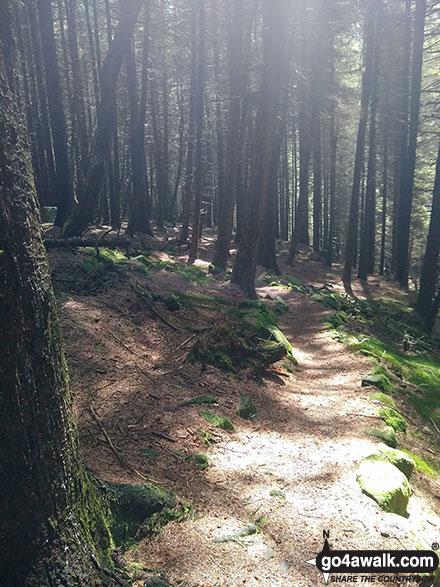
pixel 383 482
pixel 247 409
pixel 398 458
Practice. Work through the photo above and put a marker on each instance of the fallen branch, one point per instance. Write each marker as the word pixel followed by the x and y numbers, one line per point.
pixel 147 298
pixel 363 415
pixel 121 342
pixel 162 435
pixel 115 450
pixel 75 242
pixel 435 426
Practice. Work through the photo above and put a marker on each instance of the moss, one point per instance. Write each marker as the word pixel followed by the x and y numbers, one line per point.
pixel 150 453
pixel 379 378
pixel 218 421
pixel 337 319
pixel 202 460
pixel 384 399
pixel 387 435
pixel 130 506
pixel 247 409
pixel 204 436
pixel 154 524
pixel 198 401
pixel 393 419
pixel 424 465
pixel 189 272
pixel 172 303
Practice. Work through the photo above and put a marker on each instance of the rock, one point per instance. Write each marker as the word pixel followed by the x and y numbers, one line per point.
pixel 172 303
pixel 247 409
pixel 154 581
pixel 379 381
pixel 387 435
pixel 202 460
pixel 393 418
pixel 398 458
pixel 383 482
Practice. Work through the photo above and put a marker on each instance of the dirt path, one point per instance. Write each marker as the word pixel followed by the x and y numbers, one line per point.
pixel 292 472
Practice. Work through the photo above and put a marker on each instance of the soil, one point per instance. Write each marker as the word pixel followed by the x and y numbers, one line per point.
pixel 291 472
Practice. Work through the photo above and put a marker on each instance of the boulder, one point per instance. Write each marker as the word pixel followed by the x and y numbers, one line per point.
pixel 398 458
pixel 383 482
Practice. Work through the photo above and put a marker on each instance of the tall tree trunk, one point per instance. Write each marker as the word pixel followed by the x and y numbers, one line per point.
pixel 199 116
pixel 83 212
pixel 430 269
pixel 367 81
pixel 63 177
pixel 51 520
pixel 409 161
pixel 367 242
pixel 274 33
pixel 237 88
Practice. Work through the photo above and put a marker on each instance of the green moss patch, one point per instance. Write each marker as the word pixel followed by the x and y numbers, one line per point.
pixel 247 409
pixel 131 506
pixel 424 465
pixel 202 461
pixel 398 458
pixel 386 435
pixel 393 419
pixel 218 421
pixel 384 399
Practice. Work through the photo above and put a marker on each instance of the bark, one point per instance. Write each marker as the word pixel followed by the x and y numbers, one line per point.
pixel 199 116
pixel 274 33
pixel 83 212
pixel 50 518
pixel 430 269
pixel 367 81
pixel 409 162
pixel 237 89
pixel 63 177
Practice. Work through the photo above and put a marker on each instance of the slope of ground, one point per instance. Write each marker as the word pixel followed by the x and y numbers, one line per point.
pixel 291 472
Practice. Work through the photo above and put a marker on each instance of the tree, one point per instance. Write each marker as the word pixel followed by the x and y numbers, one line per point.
pixel 63 177
pixel 88 199
pixel 409 154
pixel 50 517
pixel 274 33
pixel 427 299
pixel 367 82
pixel 229 180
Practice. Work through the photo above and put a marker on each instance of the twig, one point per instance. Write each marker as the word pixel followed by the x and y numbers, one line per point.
pixel 122 343
pixel 114 449
pixel 150 304
pixel 162 435
pixel 185 342
pixel 435 426
pixel 363 415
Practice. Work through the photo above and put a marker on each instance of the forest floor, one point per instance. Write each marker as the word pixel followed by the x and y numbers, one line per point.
pixel 291 472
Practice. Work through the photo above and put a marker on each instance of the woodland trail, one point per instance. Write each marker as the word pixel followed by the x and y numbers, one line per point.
pixel 291 472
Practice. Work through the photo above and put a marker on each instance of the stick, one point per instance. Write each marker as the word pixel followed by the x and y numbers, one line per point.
pixel 363 415
pixel 138 290
pixel 162 435
pixel 114 449
pixel 122 343
pixel 185 342
pixel 435 426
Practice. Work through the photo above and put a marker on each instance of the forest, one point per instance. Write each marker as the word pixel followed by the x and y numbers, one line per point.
pixel 219 290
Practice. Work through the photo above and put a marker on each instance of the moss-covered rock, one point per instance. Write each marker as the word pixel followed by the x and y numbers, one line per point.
pixel 386 435
pixel 172 303
pixel 378 380
pixel 247 409
pixel 200 400
pixel 218 421
pixel 131 505
pixel 384 399
pixel 392 418
pixel 398 458
pixel 155 581
pixel 383 482
pixel 202 460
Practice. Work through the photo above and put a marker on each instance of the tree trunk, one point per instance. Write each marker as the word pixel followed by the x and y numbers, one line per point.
pixel 237 88
pixel 430 269
pixel 409 162
pixel 83 212
pixel 274 29
pixel 63 177
pixel 367 81
pixel 50 517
